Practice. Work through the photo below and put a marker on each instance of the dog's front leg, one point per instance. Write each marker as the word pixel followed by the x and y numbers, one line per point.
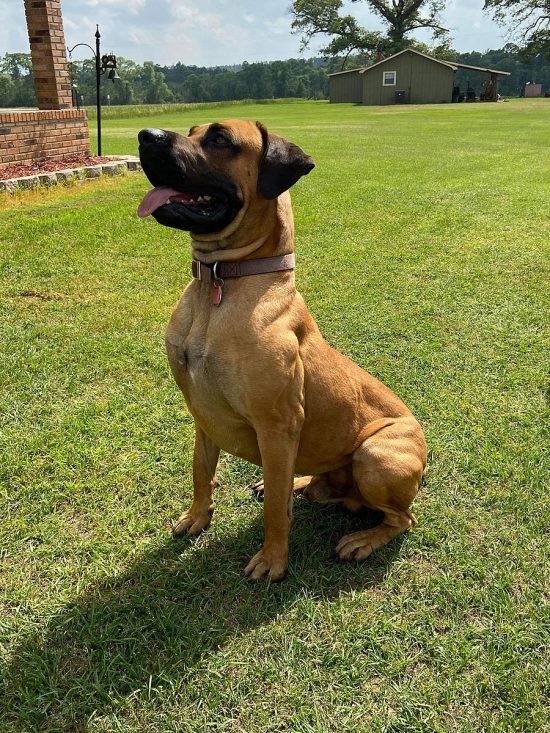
pixel 205 461
pixel 278 451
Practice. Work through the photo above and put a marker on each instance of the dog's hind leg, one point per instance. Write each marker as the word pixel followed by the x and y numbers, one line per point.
pixel 387 470
pixel 333 487
pixel 301 483
pixel 205 462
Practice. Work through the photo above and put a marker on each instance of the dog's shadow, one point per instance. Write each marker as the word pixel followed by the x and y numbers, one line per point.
pixel 173 607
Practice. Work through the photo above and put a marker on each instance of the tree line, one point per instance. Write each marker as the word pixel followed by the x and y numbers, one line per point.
pixel 150 83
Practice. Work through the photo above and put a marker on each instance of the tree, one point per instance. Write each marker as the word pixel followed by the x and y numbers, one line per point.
pixel 155 89
pixel 16 65
pixel 20 92
pixel 530 18
pixel 257 79
pixel 322 17
pixel 194 88
pixel 404 16
pixel 352 38
pixel 6 90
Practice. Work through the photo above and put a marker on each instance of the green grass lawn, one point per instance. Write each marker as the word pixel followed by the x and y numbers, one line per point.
pixel 422 241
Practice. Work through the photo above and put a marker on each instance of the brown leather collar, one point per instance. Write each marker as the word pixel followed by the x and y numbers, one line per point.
pixel 242 268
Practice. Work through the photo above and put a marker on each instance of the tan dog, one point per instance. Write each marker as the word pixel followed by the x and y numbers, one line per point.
pixel 257 376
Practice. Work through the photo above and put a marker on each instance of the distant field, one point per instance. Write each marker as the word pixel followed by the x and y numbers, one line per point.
pixel 148 110
pixel 423 251
pixel 119 131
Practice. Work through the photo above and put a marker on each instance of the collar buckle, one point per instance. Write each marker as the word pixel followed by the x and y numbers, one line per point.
pixel 196 269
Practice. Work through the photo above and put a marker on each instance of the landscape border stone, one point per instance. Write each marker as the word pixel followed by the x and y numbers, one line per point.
pixel 121 165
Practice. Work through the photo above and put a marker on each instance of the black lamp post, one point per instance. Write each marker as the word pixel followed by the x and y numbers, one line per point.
pixel 104 63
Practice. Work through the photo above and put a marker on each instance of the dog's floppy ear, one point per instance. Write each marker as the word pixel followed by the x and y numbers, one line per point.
pixel 282 164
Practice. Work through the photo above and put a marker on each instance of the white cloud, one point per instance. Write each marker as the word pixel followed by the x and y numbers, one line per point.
pixel 13 29
pixel 134 6
pixel 139 35
pixel 188 14
pixel 280 27
pixel 188 17
pixel 216 32
pixel 192 17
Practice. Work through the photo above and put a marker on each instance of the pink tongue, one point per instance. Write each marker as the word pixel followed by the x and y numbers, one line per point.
pixel 155 198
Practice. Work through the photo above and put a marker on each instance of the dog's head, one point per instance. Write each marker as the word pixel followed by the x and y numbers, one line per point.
pixel 205 180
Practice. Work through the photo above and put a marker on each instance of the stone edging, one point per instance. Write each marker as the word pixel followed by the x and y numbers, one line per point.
pixel 123 164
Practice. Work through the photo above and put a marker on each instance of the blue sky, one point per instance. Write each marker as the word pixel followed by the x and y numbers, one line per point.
pixel 216 32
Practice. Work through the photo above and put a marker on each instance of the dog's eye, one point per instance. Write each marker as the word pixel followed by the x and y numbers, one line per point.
pixel 220 140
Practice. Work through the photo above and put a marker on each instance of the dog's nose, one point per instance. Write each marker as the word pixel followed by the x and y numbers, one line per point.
pixel 151 135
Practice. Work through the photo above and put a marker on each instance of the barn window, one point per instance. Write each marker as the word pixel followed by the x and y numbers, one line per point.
pixel 389 78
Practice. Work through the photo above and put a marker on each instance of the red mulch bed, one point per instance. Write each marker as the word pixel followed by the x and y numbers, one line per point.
pixel 50 166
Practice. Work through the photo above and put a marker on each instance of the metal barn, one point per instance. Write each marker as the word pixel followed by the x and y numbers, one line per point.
pixel 409 77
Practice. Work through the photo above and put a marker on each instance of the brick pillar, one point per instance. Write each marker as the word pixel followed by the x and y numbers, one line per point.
pixel 49 61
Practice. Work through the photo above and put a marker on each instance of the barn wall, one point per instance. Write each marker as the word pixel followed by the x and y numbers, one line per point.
pixel 432 83
pixel 422 80
pixel 346 87
pixel 375 93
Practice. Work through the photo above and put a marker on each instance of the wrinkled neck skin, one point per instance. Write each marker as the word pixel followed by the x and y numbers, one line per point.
pixel 265 229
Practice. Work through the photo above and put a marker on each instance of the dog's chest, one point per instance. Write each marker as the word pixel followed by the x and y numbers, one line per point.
pixel 207 372
pixel 197 348
pixel 195 362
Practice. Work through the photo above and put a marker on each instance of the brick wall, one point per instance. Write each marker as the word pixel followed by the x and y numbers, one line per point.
pixel 56 130
pixel 49 60
pixel 26 137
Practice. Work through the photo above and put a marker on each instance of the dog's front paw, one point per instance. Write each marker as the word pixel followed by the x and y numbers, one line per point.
pixel 192 522
pixel 267 563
